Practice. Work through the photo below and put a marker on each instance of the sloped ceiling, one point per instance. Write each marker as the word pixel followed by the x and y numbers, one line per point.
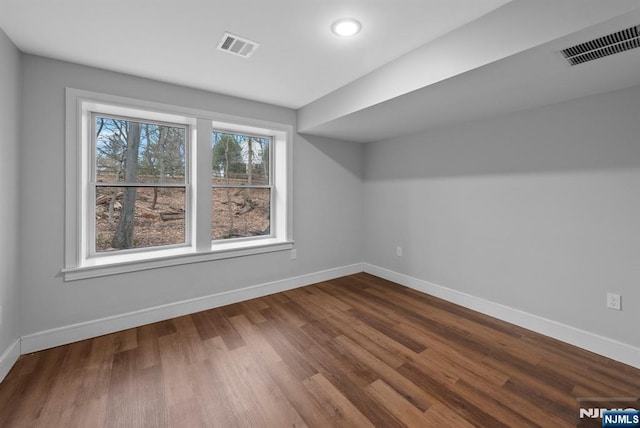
pixel 505 61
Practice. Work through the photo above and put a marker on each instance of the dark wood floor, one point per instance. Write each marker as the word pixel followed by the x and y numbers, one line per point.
pixel 355 352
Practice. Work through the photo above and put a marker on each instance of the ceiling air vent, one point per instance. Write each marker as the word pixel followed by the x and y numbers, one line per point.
pixel 604 46
pixel 237 45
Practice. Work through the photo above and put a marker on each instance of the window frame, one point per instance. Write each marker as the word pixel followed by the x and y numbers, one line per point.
pixel 93 185
pixel 81 263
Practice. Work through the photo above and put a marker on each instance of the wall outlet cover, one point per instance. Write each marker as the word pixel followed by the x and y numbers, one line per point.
pixel 614 301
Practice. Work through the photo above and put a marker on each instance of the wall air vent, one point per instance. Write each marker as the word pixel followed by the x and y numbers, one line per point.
pixel 604 46
pixel 237 45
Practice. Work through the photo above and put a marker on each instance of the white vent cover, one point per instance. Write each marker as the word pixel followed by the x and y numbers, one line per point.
pixel 604 46
pixel 237 45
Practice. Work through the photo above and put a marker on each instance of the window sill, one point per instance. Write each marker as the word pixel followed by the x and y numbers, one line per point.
pixel 114 265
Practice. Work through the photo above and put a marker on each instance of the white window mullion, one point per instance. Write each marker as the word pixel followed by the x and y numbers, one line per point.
pixel 201 185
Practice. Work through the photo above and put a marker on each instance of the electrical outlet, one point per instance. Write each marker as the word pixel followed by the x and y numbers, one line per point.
pixel 399 251
pixel 294 254
pixel 614 301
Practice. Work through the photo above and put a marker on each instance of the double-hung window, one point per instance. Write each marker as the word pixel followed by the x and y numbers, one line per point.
pixel 139 178
pixel 150 185
pixel 241 185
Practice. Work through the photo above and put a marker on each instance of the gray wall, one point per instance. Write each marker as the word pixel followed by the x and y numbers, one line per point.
pixel 327 214
pixel 537 210
pixel 9 145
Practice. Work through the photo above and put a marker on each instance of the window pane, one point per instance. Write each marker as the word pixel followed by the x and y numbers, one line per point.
pixel 240 212
pixel 139 217
pixel 139 152
pixel 232 156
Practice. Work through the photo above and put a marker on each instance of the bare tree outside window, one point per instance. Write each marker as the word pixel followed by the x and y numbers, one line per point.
pixel 140 184
pixel 241 186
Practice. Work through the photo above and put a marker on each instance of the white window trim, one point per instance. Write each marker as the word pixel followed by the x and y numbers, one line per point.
pixel 200 248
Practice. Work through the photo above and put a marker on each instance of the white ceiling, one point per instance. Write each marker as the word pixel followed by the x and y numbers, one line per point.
pixel 416 64
pixel 298 61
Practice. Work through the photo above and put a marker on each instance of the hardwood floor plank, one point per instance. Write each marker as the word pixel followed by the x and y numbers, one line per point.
pixel 178 381
pixel 356 351
pixel 491 405
pixel 341 412
pixel 392 353
pixel 164 328
pixel 324 358
pixel 378 323
pixel 325 300
pixel 255 337
pixel 426 303
pixel 12 395
pixel 212 387
pixel 542 400
pixel 407 389
pixel 448 396
pixel 59 404
pixel 462 364
pixel 140 391
pixel 505 341
pixel 251 310
pixel 265 403
pixel 125 340
pixel 535 373
pixel 520 405
pixel 233 388
pixel 440 415
pixel 276 312
pixel 307 406
pixel 220 326
pixel 205 327
pixel 36 390
pixel 598 377
pixel 296 337
pixel 287 352
pixel 147 352
pixel 396 404
pixel 344 381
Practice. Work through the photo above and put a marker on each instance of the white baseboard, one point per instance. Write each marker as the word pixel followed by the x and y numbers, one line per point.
pixel 583 339
pixel 86 330
pixel 9 358
pixel 59 336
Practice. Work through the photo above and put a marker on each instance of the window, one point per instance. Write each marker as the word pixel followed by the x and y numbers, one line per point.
pixel 150 185
pixel 241 185
pixel 138 181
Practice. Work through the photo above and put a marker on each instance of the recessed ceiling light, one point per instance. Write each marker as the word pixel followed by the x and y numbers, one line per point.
pixel 346 27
